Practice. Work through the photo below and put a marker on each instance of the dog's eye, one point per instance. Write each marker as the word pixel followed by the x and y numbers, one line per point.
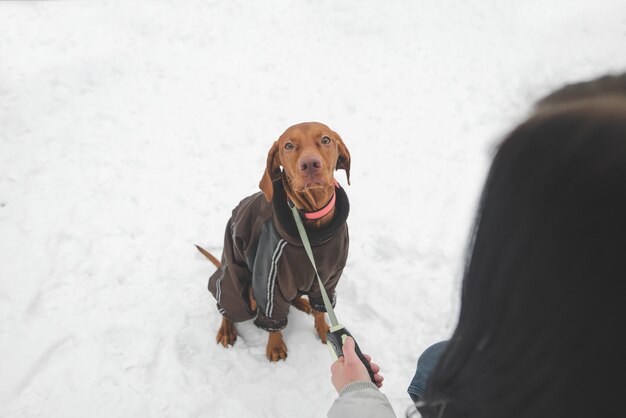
pixel 325 140
pixel 289 146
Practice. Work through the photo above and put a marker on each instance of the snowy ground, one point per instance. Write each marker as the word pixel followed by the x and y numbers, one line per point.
pixel 129 130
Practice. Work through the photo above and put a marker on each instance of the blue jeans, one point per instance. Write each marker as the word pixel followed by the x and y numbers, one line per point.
pixel 425 365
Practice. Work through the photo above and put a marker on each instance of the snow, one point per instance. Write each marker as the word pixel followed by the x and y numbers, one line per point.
pixel 129 130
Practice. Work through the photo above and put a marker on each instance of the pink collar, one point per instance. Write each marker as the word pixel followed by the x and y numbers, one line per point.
pixel 325 210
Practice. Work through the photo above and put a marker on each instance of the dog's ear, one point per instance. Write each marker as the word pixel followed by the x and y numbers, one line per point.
pixel 343 160
pixel 272 172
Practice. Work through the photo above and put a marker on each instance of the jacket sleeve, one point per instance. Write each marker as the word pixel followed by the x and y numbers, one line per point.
pixel 315 295
pixel 229 284
pixel 279 290
pixel 275 316
pixel 362 400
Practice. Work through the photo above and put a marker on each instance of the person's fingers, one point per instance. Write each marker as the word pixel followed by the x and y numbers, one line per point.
pixel 368 357
pixel 375 367
pixel 349 352
pixel 337 374
pixel 336 366
pixel 379 378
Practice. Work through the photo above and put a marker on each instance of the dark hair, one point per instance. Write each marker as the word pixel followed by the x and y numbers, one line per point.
pixel 601 86
pixel 542 320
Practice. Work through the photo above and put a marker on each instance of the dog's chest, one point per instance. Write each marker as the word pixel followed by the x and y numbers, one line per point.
pixel 276 263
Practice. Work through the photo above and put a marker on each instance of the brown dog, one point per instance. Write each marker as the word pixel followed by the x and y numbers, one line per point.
pixel 264 267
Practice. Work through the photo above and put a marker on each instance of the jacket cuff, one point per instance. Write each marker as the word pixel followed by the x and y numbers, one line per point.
pixel 269 324
pixel 318 303
pixel 356 386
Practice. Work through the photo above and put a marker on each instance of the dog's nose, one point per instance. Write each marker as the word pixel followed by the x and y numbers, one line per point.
pixel 310 163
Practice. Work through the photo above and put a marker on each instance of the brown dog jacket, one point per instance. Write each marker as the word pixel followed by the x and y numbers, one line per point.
pixel 262 249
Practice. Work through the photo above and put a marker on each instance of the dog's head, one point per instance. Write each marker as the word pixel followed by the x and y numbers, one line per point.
pixel 309 154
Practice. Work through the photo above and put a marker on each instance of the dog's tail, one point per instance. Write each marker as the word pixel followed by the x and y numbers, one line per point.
pixel 210 256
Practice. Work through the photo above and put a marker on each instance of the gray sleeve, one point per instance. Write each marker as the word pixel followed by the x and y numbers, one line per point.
pixel 363 400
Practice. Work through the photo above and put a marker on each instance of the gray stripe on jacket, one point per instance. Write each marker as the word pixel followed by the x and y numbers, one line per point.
pixel 267 254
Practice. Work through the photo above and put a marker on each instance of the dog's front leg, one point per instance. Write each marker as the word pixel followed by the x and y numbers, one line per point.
pixel 321 326
pixel 226 335
pixel 276 348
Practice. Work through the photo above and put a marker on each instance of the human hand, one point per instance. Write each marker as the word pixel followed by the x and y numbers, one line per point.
pixel 349 368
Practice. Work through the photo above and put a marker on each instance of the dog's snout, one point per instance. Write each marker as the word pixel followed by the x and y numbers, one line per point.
pixel 310 163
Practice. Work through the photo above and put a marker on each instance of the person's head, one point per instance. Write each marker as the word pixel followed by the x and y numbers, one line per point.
pixel 607 85
pixel 543 308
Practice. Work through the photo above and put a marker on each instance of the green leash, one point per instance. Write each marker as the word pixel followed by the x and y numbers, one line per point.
pixel 338 333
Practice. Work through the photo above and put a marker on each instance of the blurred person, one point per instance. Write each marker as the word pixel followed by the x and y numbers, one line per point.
pixel 540 330
pixel 601 88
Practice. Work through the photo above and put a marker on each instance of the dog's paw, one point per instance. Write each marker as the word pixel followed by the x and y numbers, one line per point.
pixel 322 331
pixel 276 348
pixel 277 353
pixel 226 335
